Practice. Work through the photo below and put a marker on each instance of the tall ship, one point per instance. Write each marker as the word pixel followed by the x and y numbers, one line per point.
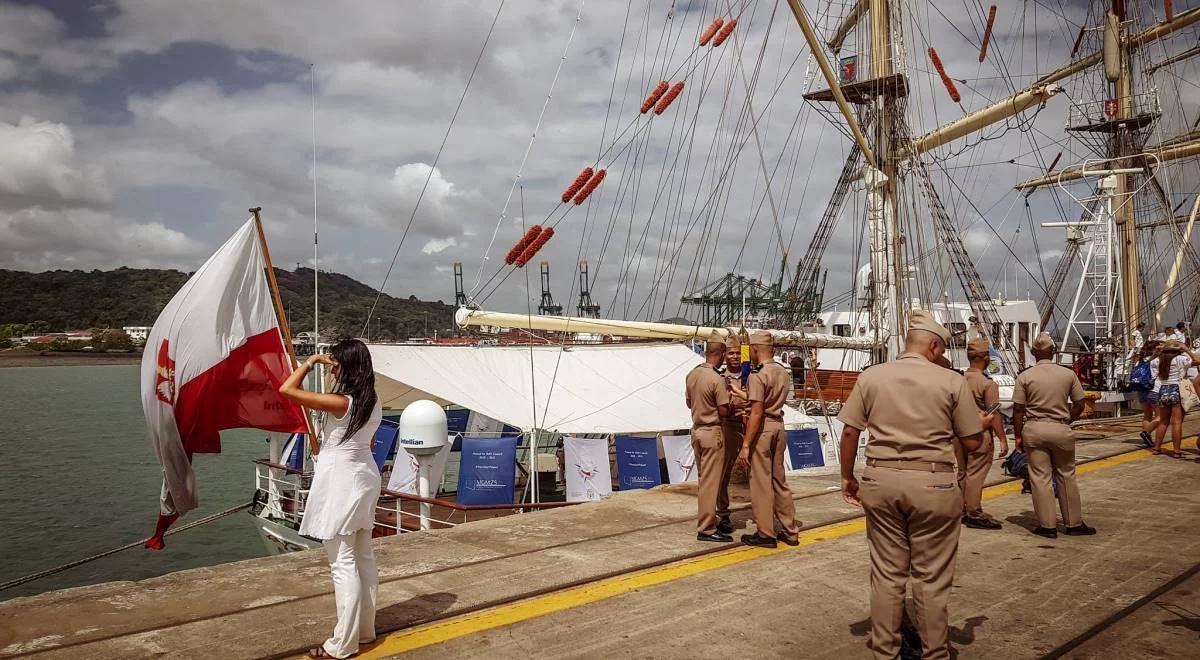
pixel 973 152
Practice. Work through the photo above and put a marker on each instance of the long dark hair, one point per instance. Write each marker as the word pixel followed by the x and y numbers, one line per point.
pixel 356 379
pixel 1165 358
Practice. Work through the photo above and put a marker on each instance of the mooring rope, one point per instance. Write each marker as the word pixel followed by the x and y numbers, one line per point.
pixel 62 567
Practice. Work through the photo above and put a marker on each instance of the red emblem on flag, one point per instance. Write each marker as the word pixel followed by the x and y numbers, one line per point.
pixel 849 69
pixel 1111 107
pixel 164 379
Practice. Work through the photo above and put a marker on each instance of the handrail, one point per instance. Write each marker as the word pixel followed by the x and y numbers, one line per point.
pixel 474 507
pixel 267 463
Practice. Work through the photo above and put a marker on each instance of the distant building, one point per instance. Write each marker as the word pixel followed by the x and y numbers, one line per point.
pixel 138 334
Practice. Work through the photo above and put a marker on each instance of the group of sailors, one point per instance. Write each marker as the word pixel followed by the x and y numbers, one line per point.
pixel 932 434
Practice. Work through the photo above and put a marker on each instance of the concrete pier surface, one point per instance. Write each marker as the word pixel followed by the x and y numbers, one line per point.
pixel 624 578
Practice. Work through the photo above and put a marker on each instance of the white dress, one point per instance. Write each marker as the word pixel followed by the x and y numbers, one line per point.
pixel 345 485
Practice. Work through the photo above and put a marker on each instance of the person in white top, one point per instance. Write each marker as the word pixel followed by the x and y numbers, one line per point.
pixel 341 502
pixel 1170 368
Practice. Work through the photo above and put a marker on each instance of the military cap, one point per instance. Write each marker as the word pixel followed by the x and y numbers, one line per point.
pixel 919 319
pixel 1043 342
pixel 761 338
pixel 978 346
pixel 716 338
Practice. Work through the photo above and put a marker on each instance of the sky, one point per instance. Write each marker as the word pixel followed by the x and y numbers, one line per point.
pixel 137 133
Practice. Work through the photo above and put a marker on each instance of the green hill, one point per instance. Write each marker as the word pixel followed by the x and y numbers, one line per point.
pixel 60 300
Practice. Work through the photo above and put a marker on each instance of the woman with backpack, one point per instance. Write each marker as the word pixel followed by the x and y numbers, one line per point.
pixel 1141 380
pixel 1170 368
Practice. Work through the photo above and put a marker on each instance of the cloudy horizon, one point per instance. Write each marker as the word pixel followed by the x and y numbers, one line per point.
pixel 137 134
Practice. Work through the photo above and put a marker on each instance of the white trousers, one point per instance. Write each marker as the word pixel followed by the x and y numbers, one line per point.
pixel 355 583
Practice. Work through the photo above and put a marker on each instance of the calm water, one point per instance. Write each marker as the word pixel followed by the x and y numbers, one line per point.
pixel 78 476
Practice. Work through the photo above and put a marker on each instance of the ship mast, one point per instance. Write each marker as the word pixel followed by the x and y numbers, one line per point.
pixel 887 268
pixel 1121 145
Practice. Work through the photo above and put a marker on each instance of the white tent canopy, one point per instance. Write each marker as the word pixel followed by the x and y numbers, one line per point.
pixel 612 388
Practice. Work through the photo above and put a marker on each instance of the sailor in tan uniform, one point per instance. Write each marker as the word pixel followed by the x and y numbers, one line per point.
pixel 973 466
pixel 708 399
pixel 732 427
pixel 913 410
pixel 1046 399
pixel 764 445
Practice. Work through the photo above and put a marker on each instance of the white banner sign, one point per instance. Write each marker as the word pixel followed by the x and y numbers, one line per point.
pixel 586 464
pixel 680 457
pixel 406 465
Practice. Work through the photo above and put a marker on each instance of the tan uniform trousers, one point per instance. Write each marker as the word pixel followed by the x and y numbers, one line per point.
pixel 912 531
pixel 733 431
pixel 770 497
pixel 972 472
pixel 1050 449
pixel 708 444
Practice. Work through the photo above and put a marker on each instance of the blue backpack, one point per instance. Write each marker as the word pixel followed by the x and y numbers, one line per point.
pixel 1016 465
pixel 1141 379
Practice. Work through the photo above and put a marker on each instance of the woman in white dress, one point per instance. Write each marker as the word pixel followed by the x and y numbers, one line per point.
pixel 341 502
pixel 1170 368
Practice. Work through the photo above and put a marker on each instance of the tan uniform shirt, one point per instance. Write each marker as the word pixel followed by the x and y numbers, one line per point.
pixel 1046 390
pixel 734 379
pixel 770 384
pixel 706 391
pixel 913 410
pixel 984 389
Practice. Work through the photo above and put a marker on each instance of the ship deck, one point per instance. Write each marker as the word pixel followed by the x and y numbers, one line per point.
pixel 625 578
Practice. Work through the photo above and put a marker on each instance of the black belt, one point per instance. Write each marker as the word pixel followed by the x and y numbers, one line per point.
pixel 916 466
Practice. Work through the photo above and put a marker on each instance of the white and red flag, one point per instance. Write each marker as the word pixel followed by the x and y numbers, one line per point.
pixel 214 361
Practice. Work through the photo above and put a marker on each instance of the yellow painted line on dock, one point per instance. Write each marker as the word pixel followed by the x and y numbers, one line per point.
pixel 531 608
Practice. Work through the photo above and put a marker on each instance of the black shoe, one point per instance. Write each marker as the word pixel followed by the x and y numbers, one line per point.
pixel 1080 530
pixel 715 538
pixel 981 522
pixel 789 540
pixel 759 541
pixel 1048 532
pixel 725 526
pixel 1147 441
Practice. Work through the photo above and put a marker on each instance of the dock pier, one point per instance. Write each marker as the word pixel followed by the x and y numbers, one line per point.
pixel 626 578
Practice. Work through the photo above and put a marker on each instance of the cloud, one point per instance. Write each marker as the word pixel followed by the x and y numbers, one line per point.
pixel 408 181
pixel 39 239
pixel 436 245
pixel 38 167
pixel 200 141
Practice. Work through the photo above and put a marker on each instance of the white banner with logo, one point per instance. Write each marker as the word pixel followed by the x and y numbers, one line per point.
pixel 406 465
pixel 680 457
pixel 586 464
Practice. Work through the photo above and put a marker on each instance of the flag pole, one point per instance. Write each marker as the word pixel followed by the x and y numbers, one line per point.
pixel 313 446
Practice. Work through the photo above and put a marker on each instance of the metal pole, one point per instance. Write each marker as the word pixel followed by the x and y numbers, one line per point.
pixel 283 326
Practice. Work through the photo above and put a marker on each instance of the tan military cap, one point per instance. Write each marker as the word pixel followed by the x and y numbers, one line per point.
pixel 761 338
pixel 731 339
pixel 716 338
pixel 1043 342
pixel 919 319
pixel 979 346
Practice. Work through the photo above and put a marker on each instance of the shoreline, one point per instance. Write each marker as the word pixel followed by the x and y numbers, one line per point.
pixel 66 359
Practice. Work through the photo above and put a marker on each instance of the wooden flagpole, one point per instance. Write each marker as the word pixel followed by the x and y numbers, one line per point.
pixel 313 445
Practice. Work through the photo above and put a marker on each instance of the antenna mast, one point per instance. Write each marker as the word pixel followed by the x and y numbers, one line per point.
pixel 312 71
